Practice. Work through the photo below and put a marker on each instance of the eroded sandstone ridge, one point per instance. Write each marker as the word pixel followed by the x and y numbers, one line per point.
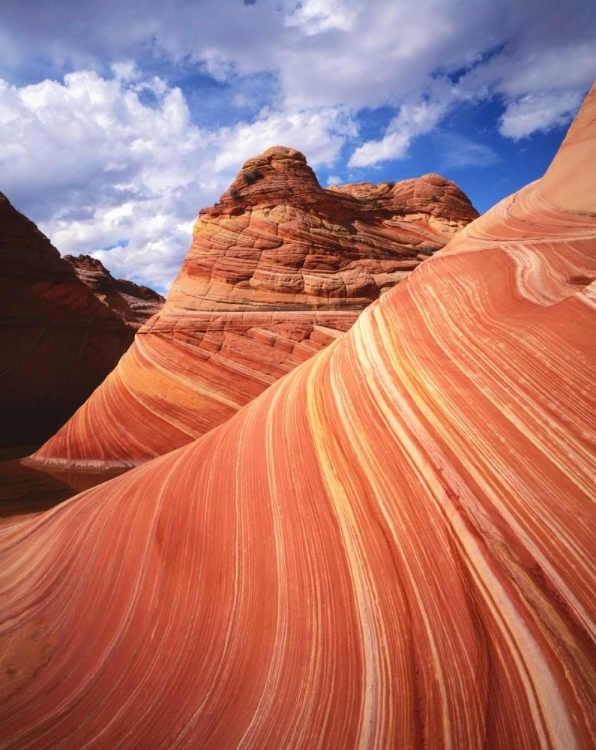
pixel 278 268
pixel 392 547
pixel 133 303
pixel 57 341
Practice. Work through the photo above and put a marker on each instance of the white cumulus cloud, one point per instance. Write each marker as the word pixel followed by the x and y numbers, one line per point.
pixel 97 161
pixel 542 112
pixel 413 120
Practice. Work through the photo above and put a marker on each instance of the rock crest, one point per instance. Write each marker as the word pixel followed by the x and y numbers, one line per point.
pixel 133 303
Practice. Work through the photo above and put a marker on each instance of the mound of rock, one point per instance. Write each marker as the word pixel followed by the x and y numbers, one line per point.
pixel 278 269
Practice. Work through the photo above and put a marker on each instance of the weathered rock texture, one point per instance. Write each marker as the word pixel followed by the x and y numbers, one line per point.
pixel 393 547
pixel 277 270
pixel 57 341
pixel 133 303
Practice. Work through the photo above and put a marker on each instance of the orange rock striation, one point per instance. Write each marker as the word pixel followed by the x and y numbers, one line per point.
pixel 391 547
pixel 277 270
pixel 133 303
pixel 57 341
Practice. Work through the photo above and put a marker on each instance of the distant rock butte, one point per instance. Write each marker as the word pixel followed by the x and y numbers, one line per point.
pixel 133 303
pixel 277 270
pixel 57 341
pixel 392 547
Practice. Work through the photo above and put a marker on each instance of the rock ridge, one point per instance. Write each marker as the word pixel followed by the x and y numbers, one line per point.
pixel 135 304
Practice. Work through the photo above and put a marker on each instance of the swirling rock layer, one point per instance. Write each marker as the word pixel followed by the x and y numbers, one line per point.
pixel 57 341
pixel 277 270
pixel 391 547
pixel 133 303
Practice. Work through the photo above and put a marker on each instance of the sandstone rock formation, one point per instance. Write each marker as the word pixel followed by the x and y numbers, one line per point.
pixel 57 341
pixel 391 547
pixel 133 303
pixel 277 270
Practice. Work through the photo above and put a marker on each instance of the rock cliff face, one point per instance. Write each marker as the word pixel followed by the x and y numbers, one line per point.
pixel 278 269
pixel 133 303
pixel 57 341
pixel 391 547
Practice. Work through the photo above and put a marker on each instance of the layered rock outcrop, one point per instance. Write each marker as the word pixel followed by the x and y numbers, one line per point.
pixel 133 303
pixel 278 269
pixel 391 547
pixel 57 341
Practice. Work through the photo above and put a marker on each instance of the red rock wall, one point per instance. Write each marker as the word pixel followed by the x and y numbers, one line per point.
pixel 391 547
pixel 57 342
pixel 277 269
pixel 133 303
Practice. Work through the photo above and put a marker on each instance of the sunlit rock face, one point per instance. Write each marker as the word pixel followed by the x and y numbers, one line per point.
pixel 391 547
pixel 278 269
pixel 57 341
pixel 133 303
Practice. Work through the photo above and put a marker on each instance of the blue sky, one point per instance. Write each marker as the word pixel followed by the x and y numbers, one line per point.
pixel 120 120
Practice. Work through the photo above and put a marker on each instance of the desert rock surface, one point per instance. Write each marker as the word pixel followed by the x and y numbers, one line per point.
pixel 58 342
pixel 393 546
pixel 278 269
pixel 133 303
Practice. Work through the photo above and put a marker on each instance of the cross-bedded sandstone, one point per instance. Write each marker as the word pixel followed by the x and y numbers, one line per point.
pixel 278 268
